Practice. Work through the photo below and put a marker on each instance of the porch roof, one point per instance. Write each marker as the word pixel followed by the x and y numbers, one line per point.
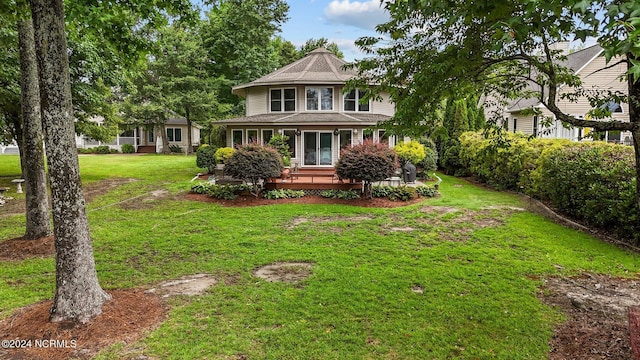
pixel 297 119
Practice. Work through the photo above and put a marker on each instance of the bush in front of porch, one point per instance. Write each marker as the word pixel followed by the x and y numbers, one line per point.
pixel 368 162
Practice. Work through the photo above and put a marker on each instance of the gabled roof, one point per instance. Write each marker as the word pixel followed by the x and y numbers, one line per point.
pixel 318 67
pixel 576 61
pixel 296 119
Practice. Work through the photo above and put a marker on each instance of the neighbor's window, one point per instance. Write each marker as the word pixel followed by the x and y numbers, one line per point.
pixel 151 138
pixel 174 135
pixel 283 100
pixel 352 101
pixel 319 98
pixel 613 107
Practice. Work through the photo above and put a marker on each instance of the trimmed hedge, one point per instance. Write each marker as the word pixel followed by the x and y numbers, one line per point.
pixel 593 182
pixel 205 157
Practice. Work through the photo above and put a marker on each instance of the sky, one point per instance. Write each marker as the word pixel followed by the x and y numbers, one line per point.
pixel 340 21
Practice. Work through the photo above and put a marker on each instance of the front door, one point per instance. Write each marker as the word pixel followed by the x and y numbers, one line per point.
pixel 318 148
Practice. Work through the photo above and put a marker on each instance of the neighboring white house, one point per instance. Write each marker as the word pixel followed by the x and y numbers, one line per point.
pixel 590 65
pixel 304 100
pixel 148 139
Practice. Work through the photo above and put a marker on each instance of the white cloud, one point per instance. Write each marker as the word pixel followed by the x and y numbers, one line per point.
pixel 361 14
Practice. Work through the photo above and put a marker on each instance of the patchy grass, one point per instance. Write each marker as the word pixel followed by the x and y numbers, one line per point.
pixel 474 259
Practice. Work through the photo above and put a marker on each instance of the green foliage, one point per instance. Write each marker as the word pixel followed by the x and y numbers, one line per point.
pixel 368 162
pixel 128 149
pixel 279 142
pixel 102 149
pixel 593 183
pixel 394 193
pixel 205 157
pixel 430 161
pixel 283 194
pixel 223 154
pixel 313 44
pixel 224 192
pixel 255 164
pixel 340 194
pixel 426 191
pixel 175 149
pixel 412 151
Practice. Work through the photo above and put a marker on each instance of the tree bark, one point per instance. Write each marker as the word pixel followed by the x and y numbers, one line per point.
pixel 634 118
pixel 37 201
pixel 78 296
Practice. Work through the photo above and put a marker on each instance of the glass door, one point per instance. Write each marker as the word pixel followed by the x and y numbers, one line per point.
pixel 318 148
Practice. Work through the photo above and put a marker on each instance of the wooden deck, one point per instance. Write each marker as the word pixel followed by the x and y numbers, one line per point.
pixel 313 179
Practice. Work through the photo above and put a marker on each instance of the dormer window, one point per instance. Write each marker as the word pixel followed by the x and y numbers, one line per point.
pixel 283 100
pixel 319 99
pixel 352 101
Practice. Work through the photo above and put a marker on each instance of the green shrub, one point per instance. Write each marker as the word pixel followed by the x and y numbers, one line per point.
pixel 429 163
pixel 201 187
pixel 411 151
pixel 223 153
pixel 254 164
pixel 175 149
pixel 205 158
pixel 102 149
pixel 283 194
pixel 592 182
pixel 340 194
pixel 128 149
pixel 426 191
pixel 368 162
pixel 402 193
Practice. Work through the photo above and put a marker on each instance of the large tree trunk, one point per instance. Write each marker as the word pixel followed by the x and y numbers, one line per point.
pixel 37 202
pixel 79 296
pixel 634 117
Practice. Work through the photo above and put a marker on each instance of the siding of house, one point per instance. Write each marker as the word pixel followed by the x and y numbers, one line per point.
pixel 384 107
pixel 257 101
pixel 607 79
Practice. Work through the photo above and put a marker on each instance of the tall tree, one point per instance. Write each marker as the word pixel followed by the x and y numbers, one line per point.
pixel 237 36
pixel 438 49
pixel 36 196
pixel 313 44
pixel 78 296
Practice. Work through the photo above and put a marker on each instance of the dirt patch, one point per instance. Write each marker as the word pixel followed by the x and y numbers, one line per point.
pixel 145 201
pixel 19 249
pixel 192 285
pixel 249 200
pixel 124 319
pixel 327 219
pixel 458 223
pixel 597 321
pixel 288 272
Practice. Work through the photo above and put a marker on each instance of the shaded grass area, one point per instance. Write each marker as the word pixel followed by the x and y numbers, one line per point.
pixel 474 258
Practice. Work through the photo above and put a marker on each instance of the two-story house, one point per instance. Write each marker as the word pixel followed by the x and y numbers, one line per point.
pixel 590 65
pixel 305 101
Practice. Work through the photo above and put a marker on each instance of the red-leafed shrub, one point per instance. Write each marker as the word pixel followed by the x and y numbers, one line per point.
pixel 255 164
pixel 367 162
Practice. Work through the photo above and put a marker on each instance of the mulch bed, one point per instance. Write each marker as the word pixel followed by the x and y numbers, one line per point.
pixel 20 249
pixel 125 318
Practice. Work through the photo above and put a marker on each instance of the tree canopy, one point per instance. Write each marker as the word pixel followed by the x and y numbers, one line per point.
pixel 440 49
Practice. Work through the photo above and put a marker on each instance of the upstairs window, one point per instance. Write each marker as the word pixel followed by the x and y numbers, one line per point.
pixel 319 99
pixel 283 100
pixel 613 107
pixel 352 101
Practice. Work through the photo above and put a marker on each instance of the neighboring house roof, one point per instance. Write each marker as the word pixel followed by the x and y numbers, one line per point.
pixel 576 61
pixel 181 121
pixel 294 119
pixel 318 67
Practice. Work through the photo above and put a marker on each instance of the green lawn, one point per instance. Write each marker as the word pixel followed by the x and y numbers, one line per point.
pixel 473 256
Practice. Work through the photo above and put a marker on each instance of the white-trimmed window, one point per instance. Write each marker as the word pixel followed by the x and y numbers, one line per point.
pixel 352 101
pixel 267 134
pixel 319 98
pixel 283 100
pixel 236 137
pixel 252 136
pixel 174 134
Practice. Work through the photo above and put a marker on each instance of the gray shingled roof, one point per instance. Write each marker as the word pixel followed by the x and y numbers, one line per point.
pixel 281 119
pixel 319 66
pixel 575 61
